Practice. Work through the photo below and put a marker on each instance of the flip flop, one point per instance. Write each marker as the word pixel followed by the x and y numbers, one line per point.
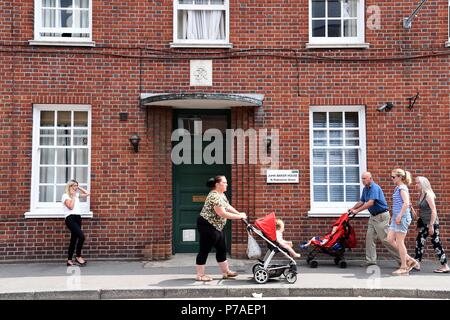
pixel 441 271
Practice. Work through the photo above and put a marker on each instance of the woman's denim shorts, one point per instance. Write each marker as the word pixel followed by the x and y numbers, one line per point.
pixel 404 223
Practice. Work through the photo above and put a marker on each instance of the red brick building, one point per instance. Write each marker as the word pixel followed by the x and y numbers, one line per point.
pixel 79 77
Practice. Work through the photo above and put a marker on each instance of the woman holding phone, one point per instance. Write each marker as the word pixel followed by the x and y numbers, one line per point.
pixel 72 214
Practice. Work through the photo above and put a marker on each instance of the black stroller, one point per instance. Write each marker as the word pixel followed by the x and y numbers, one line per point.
pixel 263 270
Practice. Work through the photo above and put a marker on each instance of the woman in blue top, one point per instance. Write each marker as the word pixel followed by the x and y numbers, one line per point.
pixel 400 220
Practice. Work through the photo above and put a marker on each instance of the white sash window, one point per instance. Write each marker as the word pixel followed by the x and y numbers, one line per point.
pixel 201 23
pixel 61 152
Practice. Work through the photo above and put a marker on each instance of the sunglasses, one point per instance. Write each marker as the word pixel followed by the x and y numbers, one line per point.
pixel 393 177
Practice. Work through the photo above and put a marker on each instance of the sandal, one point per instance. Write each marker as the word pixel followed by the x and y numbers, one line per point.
pixel 401 272
pixel 441 271
pixel 413 264
pixel 203 277
pixel 230 274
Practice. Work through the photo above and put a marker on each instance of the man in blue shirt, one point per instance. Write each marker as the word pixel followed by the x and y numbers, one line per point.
pixel 373 199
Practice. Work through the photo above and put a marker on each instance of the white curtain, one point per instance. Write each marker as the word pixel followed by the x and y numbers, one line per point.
pixel 204 25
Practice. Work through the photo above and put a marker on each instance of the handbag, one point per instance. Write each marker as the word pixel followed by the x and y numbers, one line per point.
pixel 253 249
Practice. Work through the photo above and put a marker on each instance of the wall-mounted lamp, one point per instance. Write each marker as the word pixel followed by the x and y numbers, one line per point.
pixel 386 107
pixel 412 100
pixel 134 140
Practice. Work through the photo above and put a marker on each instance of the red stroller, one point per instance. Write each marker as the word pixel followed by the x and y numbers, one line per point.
pixel 266 229
pixel 333 243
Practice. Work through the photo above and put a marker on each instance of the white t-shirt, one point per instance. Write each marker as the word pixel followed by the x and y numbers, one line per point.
pixel 76 207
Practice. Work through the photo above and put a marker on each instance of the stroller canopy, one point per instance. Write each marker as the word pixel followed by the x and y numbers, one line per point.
pixel 268 226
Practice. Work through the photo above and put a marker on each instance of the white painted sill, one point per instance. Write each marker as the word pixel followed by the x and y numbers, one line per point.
pixel 201 45
pixel 337 46
pixel 40 215
pixel 61 43
pixel 447 44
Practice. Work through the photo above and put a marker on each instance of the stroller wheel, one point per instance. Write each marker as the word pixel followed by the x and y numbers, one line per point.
pixel 336 260
pixel 342 264
pixel 313 264
pixel 261 275
pixel 257 267
pixel 291 277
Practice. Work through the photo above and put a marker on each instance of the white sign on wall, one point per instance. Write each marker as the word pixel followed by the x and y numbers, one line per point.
pixel 282 176
pixel 201 73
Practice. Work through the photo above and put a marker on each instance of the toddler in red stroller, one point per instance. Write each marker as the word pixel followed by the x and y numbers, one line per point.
pixel 263 270
pixel 342 236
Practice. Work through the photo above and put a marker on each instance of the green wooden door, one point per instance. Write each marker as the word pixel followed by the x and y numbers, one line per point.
pixel 189 180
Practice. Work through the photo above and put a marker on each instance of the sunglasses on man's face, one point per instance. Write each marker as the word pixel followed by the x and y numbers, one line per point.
pixel 393 177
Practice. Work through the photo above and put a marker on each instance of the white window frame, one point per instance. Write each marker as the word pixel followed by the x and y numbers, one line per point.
pixel 333 209
pixel 61 41
pixel 339 42
pixel 54 209
pixel 193 43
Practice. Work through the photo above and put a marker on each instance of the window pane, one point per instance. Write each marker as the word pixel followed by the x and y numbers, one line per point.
pixel 336 138
pixel 352 143
pixel 320 143
pixel 49 3
pixel 66 18
pixel 46 174
pixel 319 157
pixel 82 3
pixel 217 2
pixel 59 193
pixel 352 193
pixel 49 18
pixel 335 157
pixel 351 156
pixel 334 28
pixel 334 8
pixel 350 28
pixel 318 8
pixel 46 193
pixel 352 174
pixel 337 193
pixel 80 174
pixel 80 138
pixel 351 133
pixel 63 137
pixel 350 8
pixel 47 118
pixel 63 156
pixel 318 28
pixel 81 156
pixel 319 119
pixel 66 3
pixel 320 175
pixel 47 137
pixel 321 193
pixel 320 134
pixel 84 19
pixel 351 120
pixel 64 119
pixel 186 1
pixel 336 175
pixel 62 174
pixel 201 1
pixel 335 119
pixel 47 156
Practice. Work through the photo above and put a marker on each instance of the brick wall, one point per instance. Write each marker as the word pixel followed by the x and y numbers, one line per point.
pixel 131 192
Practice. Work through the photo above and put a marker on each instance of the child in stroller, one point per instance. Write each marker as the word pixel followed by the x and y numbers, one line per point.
pixel 334 243
pixel 265 228
pixel 283 243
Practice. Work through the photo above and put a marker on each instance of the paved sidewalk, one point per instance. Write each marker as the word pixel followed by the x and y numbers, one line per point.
pixel 175 278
